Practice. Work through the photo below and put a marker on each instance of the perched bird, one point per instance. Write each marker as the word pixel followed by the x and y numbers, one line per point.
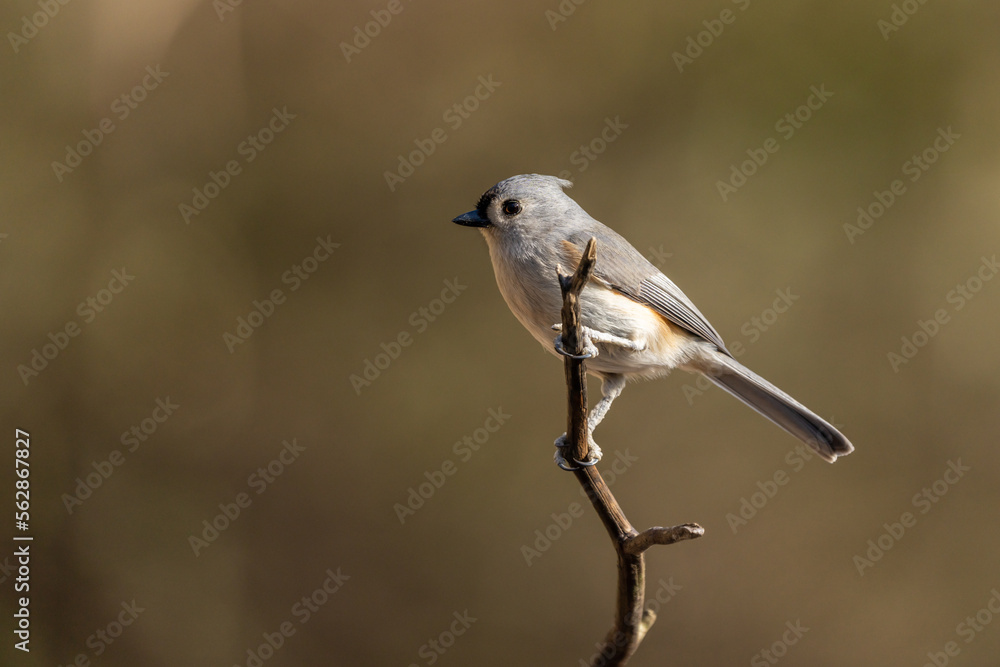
pixel 636 322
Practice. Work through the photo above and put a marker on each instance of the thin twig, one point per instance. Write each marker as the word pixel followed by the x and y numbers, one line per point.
pixel 631 620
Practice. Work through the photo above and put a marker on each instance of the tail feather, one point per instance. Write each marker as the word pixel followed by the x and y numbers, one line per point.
pixel 779 407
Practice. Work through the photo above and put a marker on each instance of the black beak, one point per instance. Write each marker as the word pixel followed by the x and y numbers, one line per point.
pixel 472 219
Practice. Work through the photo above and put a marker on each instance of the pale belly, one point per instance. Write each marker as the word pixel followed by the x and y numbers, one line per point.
pixel 666 345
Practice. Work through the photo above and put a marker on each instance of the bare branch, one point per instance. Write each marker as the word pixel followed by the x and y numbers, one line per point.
pixel 576 372
pixel 631 620
pixel 657 535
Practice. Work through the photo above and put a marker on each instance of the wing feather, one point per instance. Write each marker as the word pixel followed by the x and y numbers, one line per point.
pixel 622 268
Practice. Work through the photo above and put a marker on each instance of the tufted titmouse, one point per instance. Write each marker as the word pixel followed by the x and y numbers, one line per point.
pixel 636 322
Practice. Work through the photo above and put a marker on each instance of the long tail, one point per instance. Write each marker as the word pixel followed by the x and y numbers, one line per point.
pixel 778 406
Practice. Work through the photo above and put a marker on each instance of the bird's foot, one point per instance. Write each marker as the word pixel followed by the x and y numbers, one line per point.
pixel 594 454
pixel 591 336
pixel 589 349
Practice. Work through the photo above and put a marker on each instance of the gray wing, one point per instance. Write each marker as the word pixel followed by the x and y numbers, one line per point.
pixel 666 298
pixel 624 269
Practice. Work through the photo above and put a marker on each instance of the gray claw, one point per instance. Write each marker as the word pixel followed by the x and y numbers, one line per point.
pixel 562 442
pixel 589 349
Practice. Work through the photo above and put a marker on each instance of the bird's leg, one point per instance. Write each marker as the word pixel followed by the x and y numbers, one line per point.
pixel 611 388
pixel 591 336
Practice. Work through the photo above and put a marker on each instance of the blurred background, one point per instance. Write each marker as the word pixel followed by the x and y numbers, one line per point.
pixel 279 413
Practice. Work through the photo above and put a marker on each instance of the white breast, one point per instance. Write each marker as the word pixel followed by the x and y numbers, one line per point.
pixel 530 287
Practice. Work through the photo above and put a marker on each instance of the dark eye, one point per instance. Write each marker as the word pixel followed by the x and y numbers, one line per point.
pixel 512 207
